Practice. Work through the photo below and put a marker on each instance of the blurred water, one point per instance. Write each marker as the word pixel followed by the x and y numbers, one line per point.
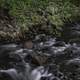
pixel 47 60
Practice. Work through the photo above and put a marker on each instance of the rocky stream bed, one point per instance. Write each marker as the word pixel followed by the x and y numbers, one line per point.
pixel 43 58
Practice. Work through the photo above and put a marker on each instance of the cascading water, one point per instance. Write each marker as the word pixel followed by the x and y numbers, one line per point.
pixel 47 59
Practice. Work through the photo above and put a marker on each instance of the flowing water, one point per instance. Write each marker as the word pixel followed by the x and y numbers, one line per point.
pixel 47 58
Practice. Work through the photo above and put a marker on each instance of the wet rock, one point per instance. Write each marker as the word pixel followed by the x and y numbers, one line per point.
pixel 71 32
pixel 28 44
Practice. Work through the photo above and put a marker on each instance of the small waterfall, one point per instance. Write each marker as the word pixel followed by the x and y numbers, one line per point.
pixel 48 59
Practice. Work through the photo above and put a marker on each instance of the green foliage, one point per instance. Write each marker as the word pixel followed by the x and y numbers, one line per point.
pixel 32 12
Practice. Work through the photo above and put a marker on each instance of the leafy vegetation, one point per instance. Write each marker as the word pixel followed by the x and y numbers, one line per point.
pixel 48 15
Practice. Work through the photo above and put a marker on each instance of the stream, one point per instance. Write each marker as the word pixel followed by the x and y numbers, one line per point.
pixel 44 58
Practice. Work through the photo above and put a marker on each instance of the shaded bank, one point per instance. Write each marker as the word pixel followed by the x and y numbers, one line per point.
pixel 22 19
pixel 10 32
